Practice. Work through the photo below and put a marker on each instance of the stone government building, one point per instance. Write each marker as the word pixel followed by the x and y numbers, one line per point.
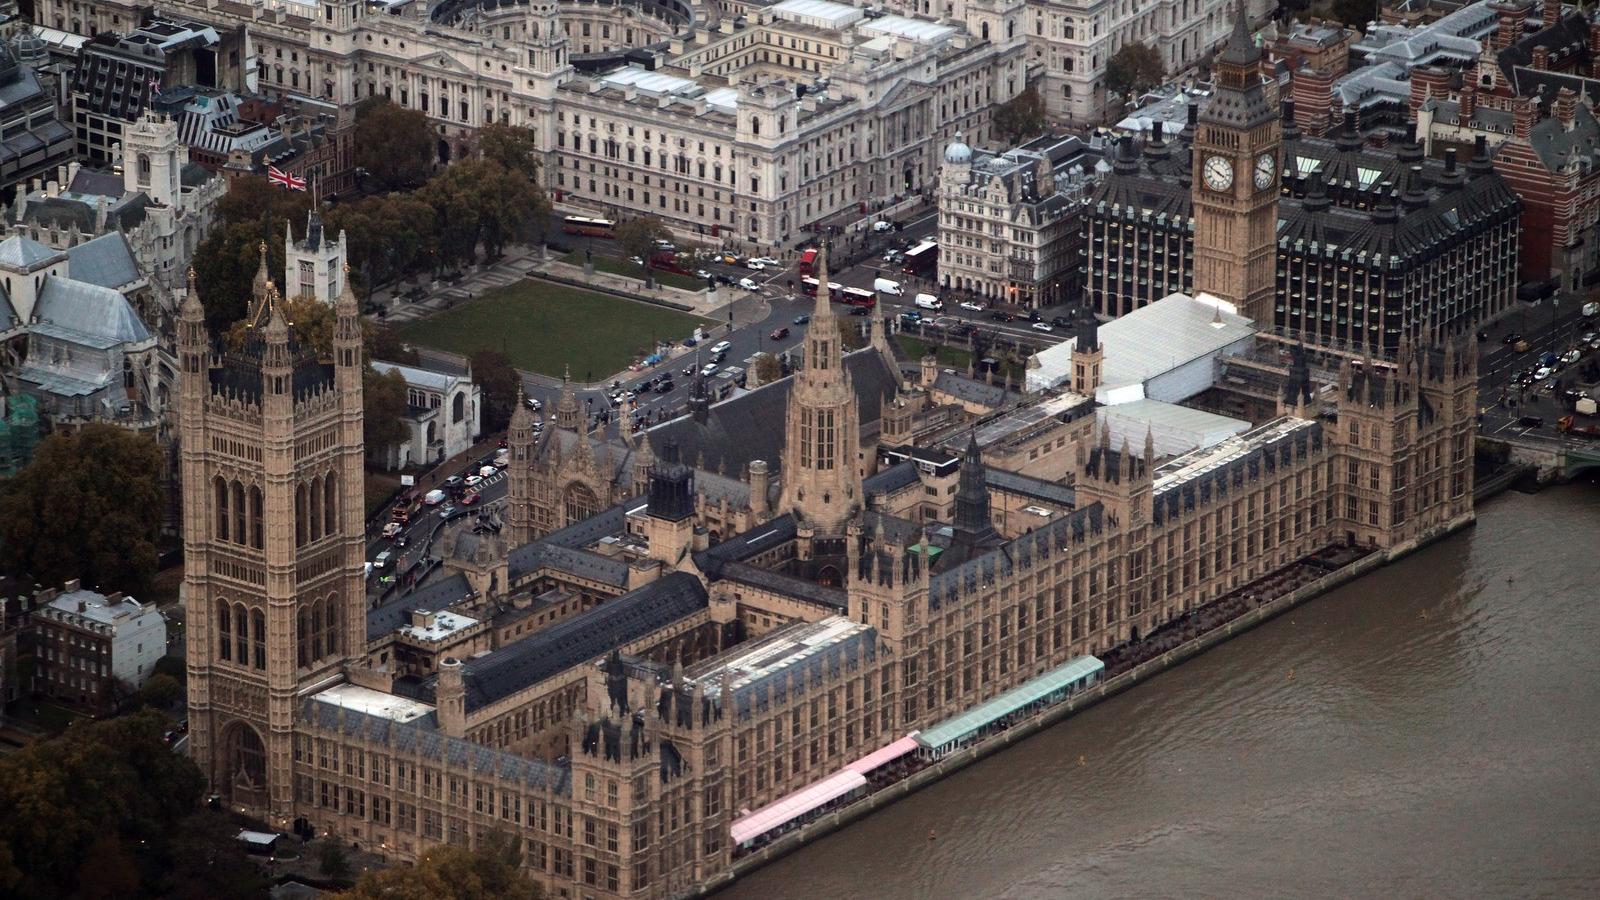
pixel 593 682
pixel 748 121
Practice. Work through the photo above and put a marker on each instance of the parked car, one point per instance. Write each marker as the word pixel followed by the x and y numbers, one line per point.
pixel 779 334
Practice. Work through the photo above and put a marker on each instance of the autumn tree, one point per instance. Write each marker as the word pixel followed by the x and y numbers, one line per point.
pixel 493 372
pixel 395 145
pixel 160 691
pixel 252 213
pixel 1133 69
pixel 384 404
pixel 384 342
pixel 89 506
pixel 491 872
pixel 637 238
pixel 91 794
pixel 512 147
pixel 388 236
pixel 1020 117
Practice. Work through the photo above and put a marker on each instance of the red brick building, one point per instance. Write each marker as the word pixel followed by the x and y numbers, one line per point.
pixel 1552 164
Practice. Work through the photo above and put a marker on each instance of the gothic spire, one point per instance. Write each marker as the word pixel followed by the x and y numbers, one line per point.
pixel 567 411
pixel 972 492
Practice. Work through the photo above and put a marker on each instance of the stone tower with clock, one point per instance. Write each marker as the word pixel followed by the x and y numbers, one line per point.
pixel 1237 161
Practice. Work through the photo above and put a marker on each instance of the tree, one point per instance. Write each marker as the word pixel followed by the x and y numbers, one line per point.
pixel 395 145
pixel 638 237
pixel 252 213
pixel 384 342
pixel 204 860
pixel 492 370
pixel 1136 67
pixel 311 323
pixel 387 236
pixel 511 146
pixel 767 368
pixel 63 797
pixel 453 873
pixel 384 406
pixel 1020 117
pixel 160 691
pixel 89 506
pixel 333 859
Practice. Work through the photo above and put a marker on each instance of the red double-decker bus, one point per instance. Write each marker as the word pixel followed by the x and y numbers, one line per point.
pixel 808 262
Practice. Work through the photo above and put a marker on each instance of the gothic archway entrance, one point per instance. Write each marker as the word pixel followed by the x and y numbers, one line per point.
pixel 244 761
pixel 579 502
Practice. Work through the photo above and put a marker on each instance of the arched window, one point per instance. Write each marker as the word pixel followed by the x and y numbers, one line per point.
pixel 330 621
pixel 144 169
pixel 224 631
pixel 302 636
pixel 257 538
pixel 239 515
pixel 315 511
pixel 330 504
pixel 580 503
pixel 985 31
pixel 258 634
pixel 241 635
pixel 316 631
pixel 221 503
pixel 300 515
pixel 458 407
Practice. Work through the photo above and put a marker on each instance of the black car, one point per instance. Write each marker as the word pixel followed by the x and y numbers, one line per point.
pixel 665 387
pixel 960 329
pixel 1061 322
pixel 1482 335
pixel 1531 421
pixel 1511 338
pixel 1000 316
pixel 860 311
pixel 1033 316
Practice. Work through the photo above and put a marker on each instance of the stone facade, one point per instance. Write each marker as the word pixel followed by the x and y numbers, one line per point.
pixel 751 130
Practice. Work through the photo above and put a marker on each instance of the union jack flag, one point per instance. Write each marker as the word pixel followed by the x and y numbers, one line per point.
pixel 289 182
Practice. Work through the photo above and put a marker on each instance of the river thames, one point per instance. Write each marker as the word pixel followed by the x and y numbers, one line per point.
pixel 1432 729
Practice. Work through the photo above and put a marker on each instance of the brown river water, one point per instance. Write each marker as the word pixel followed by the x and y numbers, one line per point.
pixel 1430 730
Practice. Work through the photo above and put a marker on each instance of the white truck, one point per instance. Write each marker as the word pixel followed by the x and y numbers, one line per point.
pixel 929 301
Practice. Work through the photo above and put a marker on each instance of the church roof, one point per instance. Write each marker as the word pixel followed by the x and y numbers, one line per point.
pixel 560 549
pixel 22 252
pixel 438 595
pixel 90 310
pixel 106 260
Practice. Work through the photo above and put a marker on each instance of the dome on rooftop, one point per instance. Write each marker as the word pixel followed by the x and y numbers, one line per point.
pixel 958 152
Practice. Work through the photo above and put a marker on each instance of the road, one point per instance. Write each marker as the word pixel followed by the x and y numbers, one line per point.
pixel 1504 403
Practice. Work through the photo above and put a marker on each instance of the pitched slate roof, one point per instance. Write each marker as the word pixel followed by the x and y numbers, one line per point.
pixel 560 549
pixel 90 310
pixel 22 252
pixel 586 636
pixel 106 260
pixel 751 426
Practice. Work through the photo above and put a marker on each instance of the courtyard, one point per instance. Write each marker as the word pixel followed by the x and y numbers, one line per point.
pixel 544 327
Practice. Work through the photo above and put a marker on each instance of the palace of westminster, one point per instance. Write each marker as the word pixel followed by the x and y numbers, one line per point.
pixel 681 625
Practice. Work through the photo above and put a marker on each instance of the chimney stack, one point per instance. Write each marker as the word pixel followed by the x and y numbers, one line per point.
pixel 1524 113
pixel 1566 108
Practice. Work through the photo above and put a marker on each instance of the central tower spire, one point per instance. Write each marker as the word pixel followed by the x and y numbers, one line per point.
pixel 821 480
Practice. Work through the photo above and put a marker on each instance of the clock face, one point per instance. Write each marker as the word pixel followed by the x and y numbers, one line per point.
pixel 1218 173
pixel 1266 171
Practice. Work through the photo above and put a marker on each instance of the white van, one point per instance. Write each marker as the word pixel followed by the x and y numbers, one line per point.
pixel 433 497
pixel 929 301
pixel 885 286
pixel 1590 310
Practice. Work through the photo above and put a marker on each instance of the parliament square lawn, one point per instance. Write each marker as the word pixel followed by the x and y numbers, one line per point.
pixel 545 327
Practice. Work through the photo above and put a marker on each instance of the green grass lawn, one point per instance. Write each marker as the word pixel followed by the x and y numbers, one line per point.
pixel 627 269
pixel 953 357
pixel 546 327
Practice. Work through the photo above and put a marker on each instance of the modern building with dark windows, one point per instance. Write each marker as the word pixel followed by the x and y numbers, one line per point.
pixel 1372 243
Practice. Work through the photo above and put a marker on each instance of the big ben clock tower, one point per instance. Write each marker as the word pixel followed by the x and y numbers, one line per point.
pixel 1237 166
